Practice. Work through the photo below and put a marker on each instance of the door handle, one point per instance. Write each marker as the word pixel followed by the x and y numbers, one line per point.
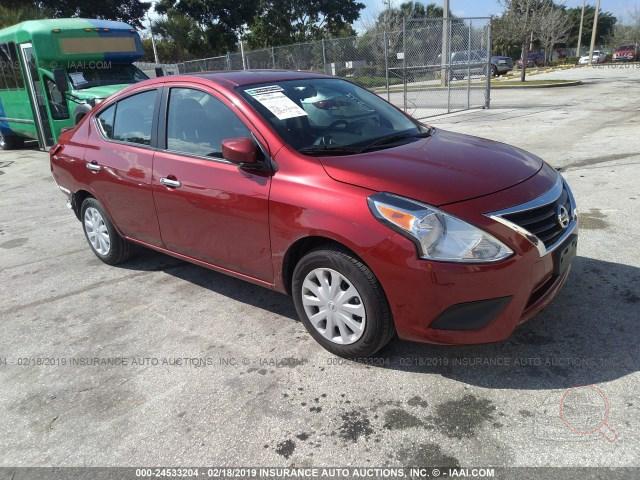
pixel 93 166
pixel 171 183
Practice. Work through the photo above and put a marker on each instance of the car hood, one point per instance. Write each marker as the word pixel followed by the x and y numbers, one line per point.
pixel 443 168
pixel 101 92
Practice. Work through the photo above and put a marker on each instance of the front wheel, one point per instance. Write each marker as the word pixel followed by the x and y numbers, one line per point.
pixel 341 303
pixel 104 240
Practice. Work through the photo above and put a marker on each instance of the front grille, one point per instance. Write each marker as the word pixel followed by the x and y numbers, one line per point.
pixel 543 221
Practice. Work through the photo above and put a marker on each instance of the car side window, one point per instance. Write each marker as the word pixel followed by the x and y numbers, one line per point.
pixel 105 119
pixel 198 122
pixel 134 118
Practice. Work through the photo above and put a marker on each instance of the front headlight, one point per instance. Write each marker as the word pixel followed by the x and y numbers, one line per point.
pixel 437 235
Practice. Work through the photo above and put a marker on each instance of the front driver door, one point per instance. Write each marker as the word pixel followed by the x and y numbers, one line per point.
pixel 208 208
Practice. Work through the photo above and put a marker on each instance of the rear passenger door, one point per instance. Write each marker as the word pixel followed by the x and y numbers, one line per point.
pixel 119 160
pixel 209 208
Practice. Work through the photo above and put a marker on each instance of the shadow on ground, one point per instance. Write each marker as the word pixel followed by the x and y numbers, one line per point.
pixel 588 335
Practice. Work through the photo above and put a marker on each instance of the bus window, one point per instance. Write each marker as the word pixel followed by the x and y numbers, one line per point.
pixel 5 67
pixel 17 73
pixel 10 74
pixel 57 102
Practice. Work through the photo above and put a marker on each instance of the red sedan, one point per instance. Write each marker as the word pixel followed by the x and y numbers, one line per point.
pixel 374 223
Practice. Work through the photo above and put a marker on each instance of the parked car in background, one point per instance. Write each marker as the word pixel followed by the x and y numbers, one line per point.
pixel 625 53
pixel 501 65
pixel 465 63
pixel 474 62
pixel 598 57
pixel 534 59
pixel 375 224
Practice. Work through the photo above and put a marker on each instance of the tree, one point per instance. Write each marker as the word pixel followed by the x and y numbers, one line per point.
pixel 553 27
pixel 606 25
pixel 414 13
pixel 518 23
pixel 629 33
pixel 130 11
pixel 11 16
pixel 179 37
pixel 280 22
pixel 219 22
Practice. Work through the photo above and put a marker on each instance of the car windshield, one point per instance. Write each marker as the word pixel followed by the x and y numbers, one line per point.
pixel 96 74
pixel 323 116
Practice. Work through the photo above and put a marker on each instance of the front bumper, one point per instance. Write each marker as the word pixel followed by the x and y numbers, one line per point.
pixel 455 303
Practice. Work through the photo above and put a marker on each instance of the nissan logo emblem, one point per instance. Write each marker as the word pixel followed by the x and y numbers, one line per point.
pixel 563 217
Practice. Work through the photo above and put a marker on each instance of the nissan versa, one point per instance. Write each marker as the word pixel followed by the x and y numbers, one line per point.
pixel 375 224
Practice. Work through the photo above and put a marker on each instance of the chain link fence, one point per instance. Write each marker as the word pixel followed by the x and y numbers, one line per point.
pixel 429 67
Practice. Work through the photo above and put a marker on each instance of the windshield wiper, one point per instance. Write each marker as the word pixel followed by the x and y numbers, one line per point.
pixel 328 150
pixel 381 142
pixel 394 138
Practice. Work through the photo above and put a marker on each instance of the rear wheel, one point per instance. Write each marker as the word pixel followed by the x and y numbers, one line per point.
pixel 10 142
pixel 104 240
pixel 341 303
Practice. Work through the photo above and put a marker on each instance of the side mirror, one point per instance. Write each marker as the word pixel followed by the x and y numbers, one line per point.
pixel 241 150
pixel 60 77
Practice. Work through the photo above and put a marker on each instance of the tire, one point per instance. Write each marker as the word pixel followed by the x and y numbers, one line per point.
pixel 494 71
pixel 10 142
pixel 338 267
pixel 105 242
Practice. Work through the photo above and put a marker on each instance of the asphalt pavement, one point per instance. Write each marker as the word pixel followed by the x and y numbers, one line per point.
pixel 159 362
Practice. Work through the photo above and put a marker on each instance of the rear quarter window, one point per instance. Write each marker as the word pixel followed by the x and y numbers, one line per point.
pixel 105 120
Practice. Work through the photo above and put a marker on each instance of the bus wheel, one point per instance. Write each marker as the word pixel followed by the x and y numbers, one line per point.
pixel 9 142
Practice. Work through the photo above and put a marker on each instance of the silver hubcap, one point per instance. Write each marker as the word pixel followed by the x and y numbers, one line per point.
pixel 333 306
pixel 97 232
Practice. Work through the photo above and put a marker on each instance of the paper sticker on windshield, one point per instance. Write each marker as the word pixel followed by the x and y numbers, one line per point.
pixel 277 102
pixel 77 78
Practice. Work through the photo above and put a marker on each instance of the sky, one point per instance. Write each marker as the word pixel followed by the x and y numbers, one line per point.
pixel 485 8
pixel 479 8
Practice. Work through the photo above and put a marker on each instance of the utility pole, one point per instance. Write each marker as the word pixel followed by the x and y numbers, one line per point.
pixel 594 32
pixel 446 55
pixel 153 41
pixel 244 62
pixel 387 15
pixel 580 30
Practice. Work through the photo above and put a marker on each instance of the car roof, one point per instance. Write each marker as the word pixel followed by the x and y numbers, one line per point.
pixel 235 78
pixel 228 79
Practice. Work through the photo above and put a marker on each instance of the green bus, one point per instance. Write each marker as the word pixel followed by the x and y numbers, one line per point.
pixel 52 72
